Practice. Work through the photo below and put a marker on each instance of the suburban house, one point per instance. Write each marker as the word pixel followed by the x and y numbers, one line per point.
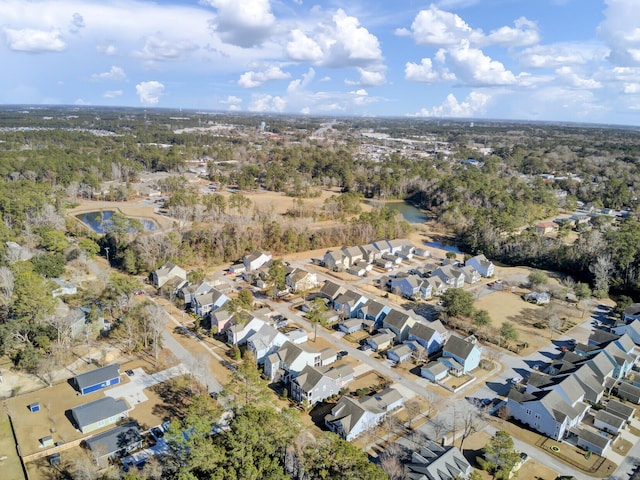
pixel 299 280
pixel 592 441
pixel 289 360
pixel 335 260
pixel 208 302
pixel 381 340
pixel 349 302
pixel 546 411
pixel 315 384
pixel 399 323
pixel 399 353
pixel 79 324
pixel 115 443
pixel 438 287
pixel 397 245
pixel 350 325
pixel 608 422
pixel 632 329
pixel 482 265
pixel 411 286
pixel 632 312
pixel 629 392
pixel 374 311
pixel 96 379
pixel 353 255
pixel 264 342
pixel 407 251
pixel 437 462
pixel 170 274
pixel 383 247
pixel 330 290
pixel 434 371
pixel 461 355
pixel 221 319
pixel 370 253
pixel 99 413
pixel 360 269
pixel 450 275
pixel 255 260
pixel 620 409
pixel 199 288
pixel 546 227
pixel 430 336
pixel 239 333
pixel 350 416
pixel 471 275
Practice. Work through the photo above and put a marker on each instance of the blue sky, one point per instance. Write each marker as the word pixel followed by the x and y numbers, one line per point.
pixel 552 60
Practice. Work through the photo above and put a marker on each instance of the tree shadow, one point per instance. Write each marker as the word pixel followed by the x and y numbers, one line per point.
pixel 499 388
pixel 174 395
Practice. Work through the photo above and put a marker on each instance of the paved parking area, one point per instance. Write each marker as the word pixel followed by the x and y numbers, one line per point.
pixel 133 391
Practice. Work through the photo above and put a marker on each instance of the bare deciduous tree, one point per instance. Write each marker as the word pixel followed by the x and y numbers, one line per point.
pixel 6 286
pixel 158 320
pixel 601 270
pixel 390 461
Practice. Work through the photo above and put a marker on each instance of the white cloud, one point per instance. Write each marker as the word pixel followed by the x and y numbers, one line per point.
pixel 34 41
pixel 157 48
pixel 560 54
pixel 525 33
pixel 425 72
pixel 570 78
pixel 373 77
pixel 233 102
pixel 631 88
pixel 244 23
pixel 77 23
pixel 437 27
pixel 115 73
pixel 473 67
pixel 619 30
pixel 150 92
pixel 300 84
pixel 253 79
pixel 266 103
pixel 475 104
pixel 112 93
pixel 107 49
pixel 336 43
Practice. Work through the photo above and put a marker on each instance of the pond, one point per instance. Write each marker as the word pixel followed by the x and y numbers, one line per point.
pixel 410 213
pixel 99 221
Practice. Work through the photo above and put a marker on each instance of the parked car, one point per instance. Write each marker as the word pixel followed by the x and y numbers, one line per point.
pixel 342 353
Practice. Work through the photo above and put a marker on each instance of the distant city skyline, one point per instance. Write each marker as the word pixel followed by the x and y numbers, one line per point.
pixel 542 60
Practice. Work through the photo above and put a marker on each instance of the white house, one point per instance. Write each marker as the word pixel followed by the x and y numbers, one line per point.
pixel 482 265
pixel 335 260
pixel 315 384
pixel 290 359
pixel 238 334
pixel 169 273
pixel 299 280
pixel 351 417
pixel 255 260
pixel 471 275
pixel 264 342
pixel 450 275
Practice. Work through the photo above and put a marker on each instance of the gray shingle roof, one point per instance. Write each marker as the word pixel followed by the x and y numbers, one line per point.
pixel 99 375
pixel 118 438
pixel 97 410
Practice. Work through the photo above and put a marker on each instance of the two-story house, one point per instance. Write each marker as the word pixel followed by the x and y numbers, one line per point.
pixel 208 302
pixel 461 355
pixel 431 336
pixel 399 323
pixel 315 384
pixel 482 265
pixel 289 360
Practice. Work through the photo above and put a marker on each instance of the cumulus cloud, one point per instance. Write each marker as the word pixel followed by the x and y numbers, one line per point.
pixel 253 79
pixel 439 28
pixel 336 43
pixel 149 92
pixel 158 48
pixel 77 23
pixel 107 49
pixel 473 67
pixel 245 23
pixel 525 33
pixel 620 29
pixel 301 83
pixel 475 104
pixel 232 102
pixel 424 72
pixel 112 93
pixel 266 103
pixel 34 41
pixel 570 78
pixel 115 73
pixel 631 88
pixel 559 54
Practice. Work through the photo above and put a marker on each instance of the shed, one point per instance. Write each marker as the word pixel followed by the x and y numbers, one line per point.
pixel 609 422
pixel 97 379
pixel 46 441
pixel 34 407
pixel 594 442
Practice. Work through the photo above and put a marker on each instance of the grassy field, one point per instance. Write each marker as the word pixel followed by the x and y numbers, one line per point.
pixel 10 466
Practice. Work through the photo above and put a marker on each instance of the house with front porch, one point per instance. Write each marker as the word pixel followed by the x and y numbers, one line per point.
pixel 315 384
pixel 546 411
pixel 289 360
pixel 351 417
pixel 349 302
pixel 208 302
pixel 465 353
pixel 482 265
pixel 450 275
pixel 399 323
pixel 430 336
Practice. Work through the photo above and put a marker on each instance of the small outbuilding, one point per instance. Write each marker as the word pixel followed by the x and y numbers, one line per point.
pixel 97 379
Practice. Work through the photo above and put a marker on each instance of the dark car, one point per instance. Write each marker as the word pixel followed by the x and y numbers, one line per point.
pixel 129 372
pixel 342 353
